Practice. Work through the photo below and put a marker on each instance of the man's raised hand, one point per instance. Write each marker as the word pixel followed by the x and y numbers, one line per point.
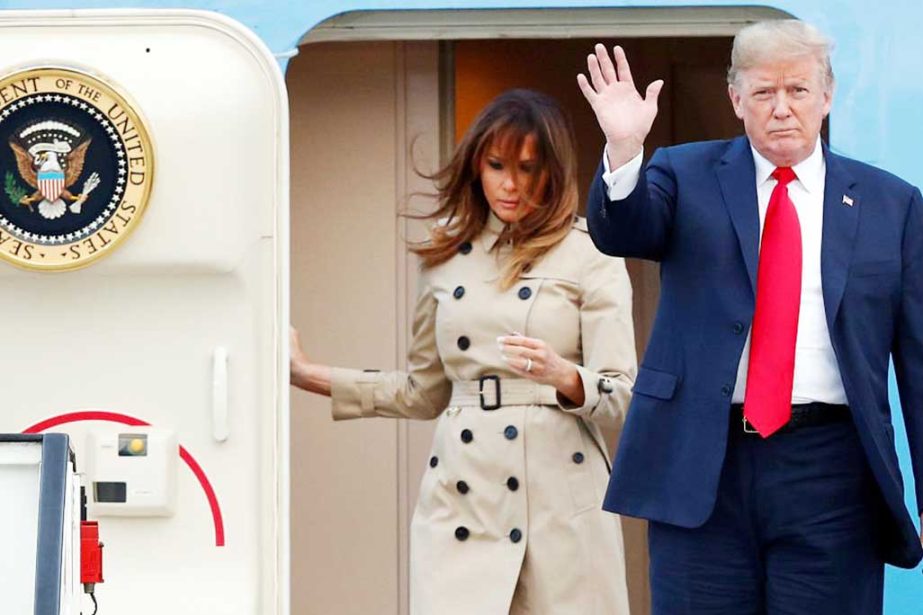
pixel 624 117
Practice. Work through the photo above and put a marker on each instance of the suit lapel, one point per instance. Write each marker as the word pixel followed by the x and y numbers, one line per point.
pixel 737 178
pixel 841 220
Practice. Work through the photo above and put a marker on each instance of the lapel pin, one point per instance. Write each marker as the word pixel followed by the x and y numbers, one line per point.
pixel 847 200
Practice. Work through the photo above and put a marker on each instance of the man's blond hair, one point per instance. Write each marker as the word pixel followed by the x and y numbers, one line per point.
pixel 779 39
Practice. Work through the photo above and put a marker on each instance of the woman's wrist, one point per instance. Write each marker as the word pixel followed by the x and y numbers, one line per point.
pixel 570 385
pixel 312 377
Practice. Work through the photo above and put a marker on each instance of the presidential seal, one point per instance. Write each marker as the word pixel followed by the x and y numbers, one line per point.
pixel 76 165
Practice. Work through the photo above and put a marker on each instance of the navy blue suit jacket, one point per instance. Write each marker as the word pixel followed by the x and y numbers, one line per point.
pixel 695 211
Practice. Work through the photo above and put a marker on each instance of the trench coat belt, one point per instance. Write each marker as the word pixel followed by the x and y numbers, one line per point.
pixel 492 392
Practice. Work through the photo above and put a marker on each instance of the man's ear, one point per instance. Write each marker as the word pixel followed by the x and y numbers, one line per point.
pixel 734 95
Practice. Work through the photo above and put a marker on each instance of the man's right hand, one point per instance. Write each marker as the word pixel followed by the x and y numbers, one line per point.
pixel 624 117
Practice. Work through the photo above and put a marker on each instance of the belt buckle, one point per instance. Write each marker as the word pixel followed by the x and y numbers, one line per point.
pixel 747 427
pixel 496 381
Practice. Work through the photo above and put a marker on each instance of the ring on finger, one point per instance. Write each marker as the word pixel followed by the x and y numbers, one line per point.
pixel 528 365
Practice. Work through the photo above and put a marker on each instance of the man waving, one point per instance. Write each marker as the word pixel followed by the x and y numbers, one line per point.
pixel 759 441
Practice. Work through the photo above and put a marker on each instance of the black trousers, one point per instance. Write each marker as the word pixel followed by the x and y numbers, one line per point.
pixel 792 533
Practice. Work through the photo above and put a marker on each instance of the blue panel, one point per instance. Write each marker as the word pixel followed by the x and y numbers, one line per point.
pixel 904 588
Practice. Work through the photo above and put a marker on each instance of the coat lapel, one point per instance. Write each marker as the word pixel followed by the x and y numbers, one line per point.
pixel 841 220
pixel 737 177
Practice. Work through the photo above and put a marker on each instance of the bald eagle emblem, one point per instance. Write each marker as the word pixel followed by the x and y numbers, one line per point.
pixel 50 158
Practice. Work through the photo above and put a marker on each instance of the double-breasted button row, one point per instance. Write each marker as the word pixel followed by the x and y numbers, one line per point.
pixel 462 534
pixel 510 433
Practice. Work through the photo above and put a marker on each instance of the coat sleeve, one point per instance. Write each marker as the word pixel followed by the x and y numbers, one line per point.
pixel 422 392
pixel 607 340
pixel 639 225
pixel 908 345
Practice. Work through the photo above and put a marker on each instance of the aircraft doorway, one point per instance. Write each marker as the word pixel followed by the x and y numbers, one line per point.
pixel 364 115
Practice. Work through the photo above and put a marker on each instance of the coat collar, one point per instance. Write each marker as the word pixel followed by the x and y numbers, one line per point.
pixel 736 171
pixel 737 178
pixel 841 221
pixel 492 229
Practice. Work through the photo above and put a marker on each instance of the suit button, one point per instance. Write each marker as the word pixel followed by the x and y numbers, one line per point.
pixel 578 457
pixel 515 535
pixel 510 432
pixel 726 390
pixel 512 483
pixel 462 487
pixel 433 461
pixel 465 247
pixel 525 292
pixel 467 436
pixel 738 328
pixel 604 385
pixel 463 343
pixel 459 292
pixel 462 533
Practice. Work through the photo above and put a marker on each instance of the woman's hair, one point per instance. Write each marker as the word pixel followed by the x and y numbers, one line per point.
pixel 506 124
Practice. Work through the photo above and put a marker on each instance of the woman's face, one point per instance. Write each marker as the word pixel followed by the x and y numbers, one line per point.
pixel 505 180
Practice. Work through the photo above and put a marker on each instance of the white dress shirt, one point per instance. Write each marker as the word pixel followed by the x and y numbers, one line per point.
pixel 817 377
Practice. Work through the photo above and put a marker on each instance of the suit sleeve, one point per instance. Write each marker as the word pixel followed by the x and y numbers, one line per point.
pixel 908 346
pixel 422 392
pixel 638 226
pixel 607 338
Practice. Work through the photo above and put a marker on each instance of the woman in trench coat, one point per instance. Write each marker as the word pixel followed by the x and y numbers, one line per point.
pixel 522 348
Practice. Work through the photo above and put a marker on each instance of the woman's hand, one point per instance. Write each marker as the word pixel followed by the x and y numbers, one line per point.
pixel 303 373
pixel 532 358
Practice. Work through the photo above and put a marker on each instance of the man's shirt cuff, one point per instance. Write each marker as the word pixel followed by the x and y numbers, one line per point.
pixel 621 182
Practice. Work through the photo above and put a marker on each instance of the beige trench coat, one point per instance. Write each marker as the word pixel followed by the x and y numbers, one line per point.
pixel 509 516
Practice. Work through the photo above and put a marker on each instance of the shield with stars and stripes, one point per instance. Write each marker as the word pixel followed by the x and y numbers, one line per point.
pixel 51 184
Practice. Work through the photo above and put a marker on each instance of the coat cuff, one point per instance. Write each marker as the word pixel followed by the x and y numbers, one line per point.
pixel 590 380
pixel 352 393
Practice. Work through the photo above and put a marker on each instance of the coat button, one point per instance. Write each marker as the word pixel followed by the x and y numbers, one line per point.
pixel 510 432
pixel 467 436
pixel 462 533
pixel 578 457
pixel 525 292
pixel 512 483
pixel 459 292
pixel 738 328
pixel 726 390
pixel 515 535
pixel 604 386
pixel 463 343
pixel 462 487
pixel 465 247
pixel 433 461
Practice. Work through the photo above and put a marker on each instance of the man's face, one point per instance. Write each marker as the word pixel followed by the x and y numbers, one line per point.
pixel 782 105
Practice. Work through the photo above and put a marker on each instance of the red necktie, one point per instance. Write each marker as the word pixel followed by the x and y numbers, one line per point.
pixel 768 400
